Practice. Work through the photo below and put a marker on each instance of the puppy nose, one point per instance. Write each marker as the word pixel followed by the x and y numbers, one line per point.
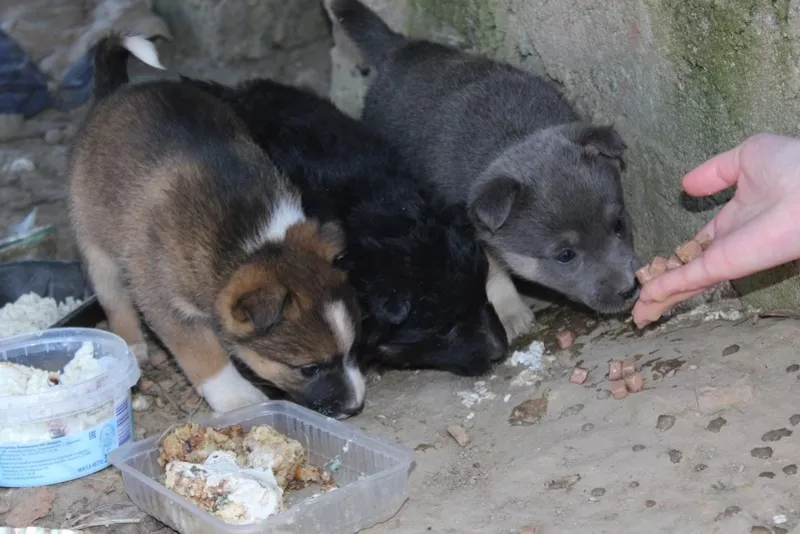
pixel 351 411
pixel 631 291
pixel 498 349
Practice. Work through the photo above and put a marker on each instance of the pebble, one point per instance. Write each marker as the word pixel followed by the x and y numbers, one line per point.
pixel 776 435
pixel 715 425
pixel 603 394
pixel 598 492
pixel 633 485
pixel 761 452
pixel 649 503
pixel 563 483
pixel 53 136
pixel 760 530
pixel 767 474
pixel 790 469
pixel 665 422
pixel 141 403
pixel 795 419
pixel 730 349
pixel 793 368
pixel 700 467
pixel 529 412
pixel 572 410
pixel 459 434
pixel 21 165
pixel 637 448
pixel 587 427
pixel 675 456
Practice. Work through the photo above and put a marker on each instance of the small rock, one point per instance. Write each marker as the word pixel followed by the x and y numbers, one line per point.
pixel 712 399
pixel 563 483
pixel 762 453
pixel 572 410
pixel 53 136
pixel 700 467
pixel 779 519
pixel 633 485
pixel 587 427
pixel 665 422
pixel 637 448
pixel 459 434
pixel 675 456
pixel 145 384
pixel 598 492
pixel 767 474
pixel 21 165
pixel 727 513
pixel 730 349
pixel 649 503
pixel 476 465
pixel 776 435
pixel 141 403
pixel 529 412
pixel 760 530
pixel 603 394
pixel 160 402
pixel 565 339
pixel 715 425
pixel 795 419
pixel 11 125
pixel 790 469
pixel 793 368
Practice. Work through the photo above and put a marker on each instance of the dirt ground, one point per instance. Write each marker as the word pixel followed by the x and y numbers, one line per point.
pixel 707 447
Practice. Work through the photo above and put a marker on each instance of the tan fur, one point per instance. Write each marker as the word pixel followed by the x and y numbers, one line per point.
pixel 150 229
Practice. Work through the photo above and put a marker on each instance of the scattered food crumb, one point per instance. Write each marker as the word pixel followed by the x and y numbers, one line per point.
pixel 790 469
pixel 665 422
pixel 618 389
pixel 776 435
pixel 579 375
pixel 141 403
pixel 531 357
pixel 565 339
pixel 563 483
pixel 479 394
pixel 762 453
pixel 507 397
pixel 715 425
pixel 469 416
pixel 459 434
pixel 675 456
pixel 598 492
pixel 730 349
pixel 634 382
pixel 700 467
pixel 30 509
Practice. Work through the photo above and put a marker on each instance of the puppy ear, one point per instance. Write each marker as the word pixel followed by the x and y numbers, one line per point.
pixel 493 201
pixel 326 240
pixel 252 301
pixel 599 141
pixel 332 233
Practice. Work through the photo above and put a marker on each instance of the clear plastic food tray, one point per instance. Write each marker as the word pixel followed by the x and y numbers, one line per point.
pixel 372 479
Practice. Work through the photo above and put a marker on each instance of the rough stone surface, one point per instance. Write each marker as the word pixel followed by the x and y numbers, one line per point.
pixel 681 80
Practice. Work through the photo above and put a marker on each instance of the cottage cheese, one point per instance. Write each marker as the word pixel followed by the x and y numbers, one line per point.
pixel 31 312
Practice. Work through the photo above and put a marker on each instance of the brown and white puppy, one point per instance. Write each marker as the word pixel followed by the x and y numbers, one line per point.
pixel 179 214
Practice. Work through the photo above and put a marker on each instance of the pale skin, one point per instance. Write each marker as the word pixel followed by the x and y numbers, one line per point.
pixel 759 228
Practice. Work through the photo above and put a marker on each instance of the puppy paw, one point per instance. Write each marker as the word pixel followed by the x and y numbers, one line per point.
pixel 140 351
pixel 228 391
pixel 517 320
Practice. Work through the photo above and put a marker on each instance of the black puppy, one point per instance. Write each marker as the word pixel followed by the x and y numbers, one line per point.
pixel 415 262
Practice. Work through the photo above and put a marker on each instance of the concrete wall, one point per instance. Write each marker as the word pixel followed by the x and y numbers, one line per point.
pixel 681 79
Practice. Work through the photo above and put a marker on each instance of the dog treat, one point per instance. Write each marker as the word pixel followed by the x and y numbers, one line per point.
pixel 614 370
pixel 704 240
pixel 628 367
pixel 688 251
pixel 658 266
pixel 565 339
pixel 634 383
pixel 643 274
pixel 673 262
pixel 579 375
pixel 618 389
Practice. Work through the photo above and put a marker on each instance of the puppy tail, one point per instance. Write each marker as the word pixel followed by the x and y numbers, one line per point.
pixel 369 32
pixel 110 56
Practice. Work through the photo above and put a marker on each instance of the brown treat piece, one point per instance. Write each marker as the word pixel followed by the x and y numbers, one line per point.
pixel 579 375
pixel 704 240
pixel 628 367
pixel 673 262
pixel 565 339
pixel 658 266
pixel 688 251
pixel 643 274
pixel 614 370
pixel 634 382
pixel 192 443
pixel 618 389
pixel 657 309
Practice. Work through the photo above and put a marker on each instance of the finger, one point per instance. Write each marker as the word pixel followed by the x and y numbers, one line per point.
pixel 715 175
pixel 645 313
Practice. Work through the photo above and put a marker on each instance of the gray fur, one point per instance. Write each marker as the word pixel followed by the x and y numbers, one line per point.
pixel 536 178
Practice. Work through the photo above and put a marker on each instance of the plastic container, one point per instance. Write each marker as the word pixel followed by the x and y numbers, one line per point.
pixel 372 479
pixel 66 432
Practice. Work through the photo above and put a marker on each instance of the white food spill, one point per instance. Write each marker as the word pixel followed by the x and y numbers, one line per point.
pixel 31 313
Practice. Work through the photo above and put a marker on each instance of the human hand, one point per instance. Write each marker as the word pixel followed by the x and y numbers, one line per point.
pixel 757 229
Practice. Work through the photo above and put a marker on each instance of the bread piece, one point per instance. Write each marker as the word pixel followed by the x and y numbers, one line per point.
pixel 193 443
pixel 266 448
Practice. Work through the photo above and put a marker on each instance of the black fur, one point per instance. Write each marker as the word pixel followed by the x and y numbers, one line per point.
pixel 414 261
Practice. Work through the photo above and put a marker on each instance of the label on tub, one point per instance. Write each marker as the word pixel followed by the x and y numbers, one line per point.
pixel 79 446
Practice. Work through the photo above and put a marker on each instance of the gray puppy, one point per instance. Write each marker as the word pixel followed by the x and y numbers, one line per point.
pixel 542 186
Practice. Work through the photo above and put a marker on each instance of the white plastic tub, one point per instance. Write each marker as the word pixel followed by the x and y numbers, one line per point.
pixel 67 431
pixel 372 477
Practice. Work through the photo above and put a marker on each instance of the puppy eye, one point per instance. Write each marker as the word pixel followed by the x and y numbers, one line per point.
pixel 309 371
pixel 619 226
pixel 339 258
pixel 565 256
